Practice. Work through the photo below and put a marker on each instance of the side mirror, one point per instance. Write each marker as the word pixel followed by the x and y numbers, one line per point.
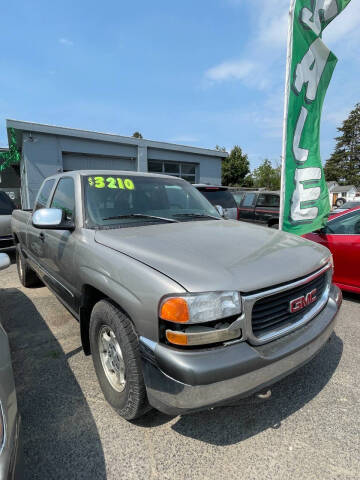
pixel 51 219
pixel 220 209
pixel 4 261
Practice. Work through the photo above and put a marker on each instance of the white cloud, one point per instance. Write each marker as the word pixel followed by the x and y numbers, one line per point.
pixel 66 41
pixel 237 69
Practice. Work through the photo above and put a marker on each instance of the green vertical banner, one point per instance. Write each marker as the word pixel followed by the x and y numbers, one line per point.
pixel 310 64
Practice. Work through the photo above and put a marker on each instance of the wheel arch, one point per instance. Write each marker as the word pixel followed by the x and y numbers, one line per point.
pixel 90 296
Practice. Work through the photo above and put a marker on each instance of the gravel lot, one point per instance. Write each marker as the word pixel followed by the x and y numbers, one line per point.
pixel 309 429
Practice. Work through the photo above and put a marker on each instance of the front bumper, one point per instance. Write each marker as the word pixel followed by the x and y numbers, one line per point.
pixel 181 381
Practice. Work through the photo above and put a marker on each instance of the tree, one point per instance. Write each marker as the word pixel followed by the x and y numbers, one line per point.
pixel 137 135
pixel 266 176
pixel 344 164
pixel 235 167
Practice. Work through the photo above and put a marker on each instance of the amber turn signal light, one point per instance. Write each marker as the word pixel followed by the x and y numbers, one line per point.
pixel 177 338
pixel 175 310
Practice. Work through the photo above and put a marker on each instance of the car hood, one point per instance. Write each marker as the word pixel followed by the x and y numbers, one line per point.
pixel 218 254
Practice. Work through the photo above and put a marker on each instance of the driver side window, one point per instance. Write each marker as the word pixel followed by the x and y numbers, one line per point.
pixel 345 225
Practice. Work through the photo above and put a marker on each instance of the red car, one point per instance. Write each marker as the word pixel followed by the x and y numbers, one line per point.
pixel 341 236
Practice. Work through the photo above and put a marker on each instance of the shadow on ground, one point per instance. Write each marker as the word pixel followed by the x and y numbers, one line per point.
pixel 230 425
pixel 59 433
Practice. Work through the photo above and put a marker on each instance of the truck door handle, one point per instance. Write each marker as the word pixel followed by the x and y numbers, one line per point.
pixel 42 236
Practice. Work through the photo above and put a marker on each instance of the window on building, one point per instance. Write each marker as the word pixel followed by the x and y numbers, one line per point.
pixel 187 171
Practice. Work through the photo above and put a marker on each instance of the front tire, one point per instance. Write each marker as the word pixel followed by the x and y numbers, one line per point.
pixel 116 356
pixel 27 276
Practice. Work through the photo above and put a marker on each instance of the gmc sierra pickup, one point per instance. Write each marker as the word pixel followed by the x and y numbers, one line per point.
pixel 180 309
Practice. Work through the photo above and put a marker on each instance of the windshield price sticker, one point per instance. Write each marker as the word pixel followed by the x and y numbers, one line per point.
pixel 111 182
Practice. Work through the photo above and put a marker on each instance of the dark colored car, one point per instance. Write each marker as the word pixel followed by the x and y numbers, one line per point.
pixel 220 196
pixel 341 236
pixel 260 207
pixel 6 208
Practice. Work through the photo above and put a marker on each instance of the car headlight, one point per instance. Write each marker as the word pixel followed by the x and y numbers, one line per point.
pixel 2 429
pixel 200 307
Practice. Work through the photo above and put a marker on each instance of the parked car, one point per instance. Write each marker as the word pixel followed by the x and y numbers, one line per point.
pixel 180 309
pixel 341 236
pixel 260 207
pixel 347 206
pixel 10 452
pixel 6 208
pixel 220 196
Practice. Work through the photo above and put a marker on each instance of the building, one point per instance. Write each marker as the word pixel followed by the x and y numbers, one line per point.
pixel 345 192
pixel 46 150
pixel 10 181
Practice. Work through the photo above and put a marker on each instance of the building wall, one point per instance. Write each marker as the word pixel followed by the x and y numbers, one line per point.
pixel 45 154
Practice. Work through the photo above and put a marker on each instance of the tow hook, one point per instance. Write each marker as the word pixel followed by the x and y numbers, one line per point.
pixel 264 395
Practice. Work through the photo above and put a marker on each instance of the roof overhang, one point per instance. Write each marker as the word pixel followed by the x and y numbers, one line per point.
pixel 21 127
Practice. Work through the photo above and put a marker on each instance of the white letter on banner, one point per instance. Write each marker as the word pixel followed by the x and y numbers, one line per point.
pixel 300 154
pixel 302 194
pixel 310 69
pixel 328 9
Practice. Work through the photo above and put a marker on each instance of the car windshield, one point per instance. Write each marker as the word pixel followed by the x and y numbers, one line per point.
pixel 133 200
pixel 350 205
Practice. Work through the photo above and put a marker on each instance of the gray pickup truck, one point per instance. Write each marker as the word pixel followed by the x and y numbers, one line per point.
pixel 180 309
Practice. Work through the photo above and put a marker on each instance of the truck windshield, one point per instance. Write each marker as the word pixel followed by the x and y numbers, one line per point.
pixel 129 200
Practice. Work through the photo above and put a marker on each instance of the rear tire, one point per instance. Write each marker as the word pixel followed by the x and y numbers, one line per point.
pixel 340 202
pixel 116 356
pixel 27 276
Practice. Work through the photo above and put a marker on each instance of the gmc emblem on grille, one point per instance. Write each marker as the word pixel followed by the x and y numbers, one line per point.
pixel 299 303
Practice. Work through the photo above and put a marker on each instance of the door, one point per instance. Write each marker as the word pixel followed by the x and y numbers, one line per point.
pixel 267 207
pixel 60 244
pixel 342 237
pixel 36 247
pixel 247 207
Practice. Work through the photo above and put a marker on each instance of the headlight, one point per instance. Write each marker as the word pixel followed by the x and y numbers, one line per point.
pixel 2 429
pixel 200 307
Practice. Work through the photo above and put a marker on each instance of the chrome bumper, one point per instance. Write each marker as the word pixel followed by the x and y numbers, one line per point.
pixel 237 370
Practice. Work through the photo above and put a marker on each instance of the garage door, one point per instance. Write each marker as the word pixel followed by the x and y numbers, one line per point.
pixel 74 161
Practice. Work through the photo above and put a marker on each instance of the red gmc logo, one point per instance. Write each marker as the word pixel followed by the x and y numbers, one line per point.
pixel 299 303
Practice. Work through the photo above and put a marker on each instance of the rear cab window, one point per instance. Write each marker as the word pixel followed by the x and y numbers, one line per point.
pixel 268 200
pixel 6 204
pixel 44 195
pixel 217 196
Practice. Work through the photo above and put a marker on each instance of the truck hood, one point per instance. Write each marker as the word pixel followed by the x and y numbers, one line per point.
pixel 218 254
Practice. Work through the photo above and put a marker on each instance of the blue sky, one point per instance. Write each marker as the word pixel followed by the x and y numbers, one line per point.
pixel 201 72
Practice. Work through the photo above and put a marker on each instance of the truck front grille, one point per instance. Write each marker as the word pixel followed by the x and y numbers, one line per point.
pixel 272 313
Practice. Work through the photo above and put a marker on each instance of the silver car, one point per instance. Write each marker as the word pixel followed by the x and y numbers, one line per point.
pixel 9 415
pixel 6 208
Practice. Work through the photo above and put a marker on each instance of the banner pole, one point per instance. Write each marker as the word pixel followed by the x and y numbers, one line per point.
pixel 286 110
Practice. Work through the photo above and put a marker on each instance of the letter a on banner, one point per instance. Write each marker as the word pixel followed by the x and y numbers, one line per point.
pixel 310 64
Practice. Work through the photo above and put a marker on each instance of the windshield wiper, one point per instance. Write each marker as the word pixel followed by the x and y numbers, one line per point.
pixel 141 215
pixel 195 215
